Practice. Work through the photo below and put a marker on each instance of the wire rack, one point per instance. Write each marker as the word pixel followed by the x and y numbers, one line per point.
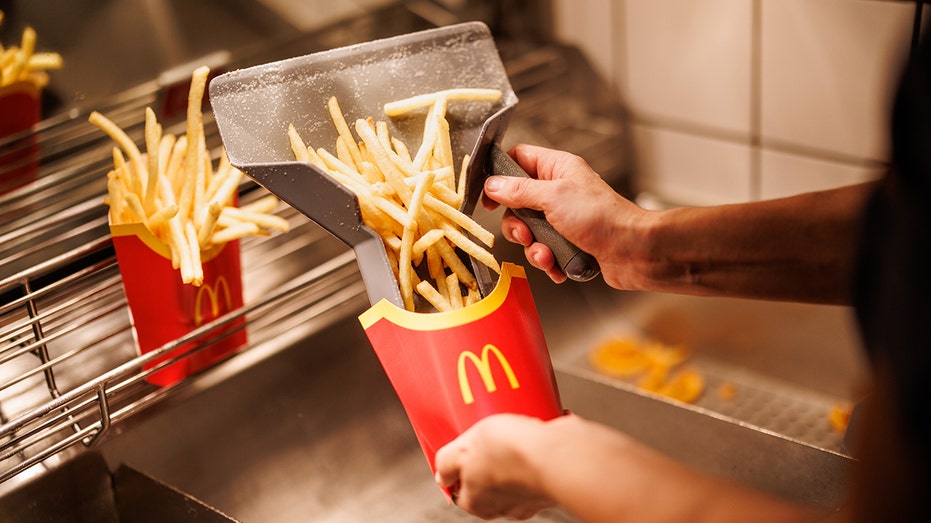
pixel 69 369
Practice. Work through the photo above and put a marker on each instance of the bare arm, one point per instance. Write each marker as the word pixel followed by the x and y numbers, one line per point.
pixel 797 248
pixel 510 465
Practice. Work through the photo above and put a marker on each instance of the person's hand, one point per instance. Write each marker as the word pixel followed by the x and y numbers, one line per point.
pixel 490 465
pixel 577 203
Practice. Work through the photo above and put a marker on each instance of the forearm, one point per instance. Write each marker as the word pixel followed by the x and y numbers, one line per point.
pixel 798 248
pixel 600 475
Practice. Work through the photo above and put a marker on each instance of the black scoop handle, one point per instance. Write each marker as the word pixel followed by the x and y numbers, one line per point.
pixel 576 264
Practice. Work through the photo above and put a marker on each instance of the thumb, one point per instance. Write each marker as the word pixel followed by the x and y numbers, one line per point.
pixel 446 464
pixel 516 193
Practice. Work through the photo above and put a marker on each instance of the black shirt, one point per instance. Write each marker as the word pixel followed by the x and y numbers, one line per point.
pixel 892 298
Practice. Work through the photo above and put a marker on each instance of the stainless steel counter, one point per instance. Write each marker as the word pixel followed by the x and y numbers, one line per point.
pixel 315 432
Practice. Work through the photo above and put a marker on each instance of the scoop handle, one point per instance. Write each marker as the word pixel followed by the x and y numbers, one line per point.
pixel 576 264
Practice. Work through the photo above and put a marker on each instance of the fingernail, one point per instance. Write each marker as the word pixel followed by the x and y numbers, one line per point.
pixel 493 184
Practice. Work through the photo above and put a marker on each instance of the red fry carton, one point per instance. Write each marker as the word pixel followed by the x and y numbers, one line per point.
pixel 163 309
pixel 451 369
pixel 19 111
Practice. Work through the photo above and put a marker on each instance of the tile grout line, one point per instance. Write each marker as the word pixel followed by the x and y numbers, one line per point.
pixel 756 100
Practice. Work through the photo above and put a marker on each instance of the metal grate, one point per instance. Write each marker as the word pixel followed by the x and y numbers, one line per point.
pixel 68 365
pixel 69 370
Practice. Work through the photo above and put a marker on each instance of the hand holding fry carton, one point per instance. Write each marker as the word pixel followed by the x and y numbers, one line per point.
pixel 22 77
pixel 452 356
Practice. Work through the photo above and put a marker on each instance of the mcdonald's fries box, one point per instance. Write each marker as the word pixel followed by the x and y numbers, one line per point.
pixel 163 308
pixel 20 109
pixel 451 369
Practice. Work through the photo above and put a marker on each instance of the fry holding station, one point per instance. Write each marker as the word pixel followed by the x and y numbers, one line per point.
pixel 302 422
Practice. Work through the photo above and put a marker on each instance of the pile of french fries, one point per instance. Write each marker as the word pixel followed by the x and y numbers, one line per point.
pixel 23 63
pixel 176 193
pixel 654 366
pixel 411 201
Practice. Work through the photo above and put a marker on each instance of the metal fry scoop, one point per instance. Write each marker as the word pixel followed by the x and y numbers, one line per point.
pixel 253 108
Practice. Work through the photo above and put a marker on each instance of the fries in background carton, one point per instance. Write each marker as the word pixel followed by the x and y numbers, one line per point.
pixel 23 64
pixel 176 225
pixel 22 77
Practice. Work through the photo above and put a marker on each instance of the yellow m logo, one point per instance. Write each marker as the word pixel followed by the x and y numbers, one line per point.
pixel 220 287
pixel 483 365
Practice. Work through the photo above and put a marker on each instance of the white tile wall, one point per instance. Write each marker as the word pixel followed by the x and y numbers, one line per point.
pixel 829 70
pixel 687 168
pixel 785 174
pixel 745 99
pixel 590 25
pixel 689 60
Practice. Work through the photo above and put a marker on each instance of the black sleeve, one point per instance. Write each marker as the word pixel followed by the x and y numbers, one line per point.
pixel 892 298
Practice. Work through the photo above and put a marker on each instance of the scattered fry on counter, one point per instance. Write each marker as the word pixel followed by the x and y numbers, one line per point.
pixel 655 366
pixel 174 190
pixel 412 202
pixel 23 63
pixel 839 417
pixel 727 391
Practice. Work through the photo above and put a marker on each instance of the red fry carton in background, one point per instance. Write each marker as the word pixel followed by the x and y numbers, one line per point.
pixel 451 369
pixel 19 111
pixel 163 309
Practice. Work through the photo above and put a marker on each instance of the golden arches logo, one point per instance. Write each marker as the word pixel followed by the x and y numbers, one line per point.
pixel 483 365
pixel 213 293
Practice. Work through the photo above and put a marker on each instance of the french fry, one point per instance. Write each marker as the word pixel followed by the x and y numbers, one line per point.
pixel 336 114
pixel 411 203
pixel 161 216
pixel 460 219
pixel 192 132
pixel 400 107
pixel 174 190
pixel 152 143
pixel 22 62
pixel 235 232
pixel 205 233
pixel 264 205
pixel 470 247
pixel 453 292
pixel 426 241
pixel 124 142
pixel 45 61
pixel 433 296
pixel 430 133
pixel 461 186
pixel 297 145
pixel 264 221
pixel 27 47
pixel 197 269
pixel 117 196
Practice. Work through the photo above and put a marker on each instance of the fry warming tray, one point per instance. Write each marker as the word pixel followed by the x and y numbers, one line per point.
pixel 68 368
pixel 254 107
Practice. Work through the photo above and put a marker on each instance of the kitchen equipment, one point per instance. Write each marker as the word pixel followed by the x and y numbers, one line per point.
pixel 254 107
pixel 263 436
